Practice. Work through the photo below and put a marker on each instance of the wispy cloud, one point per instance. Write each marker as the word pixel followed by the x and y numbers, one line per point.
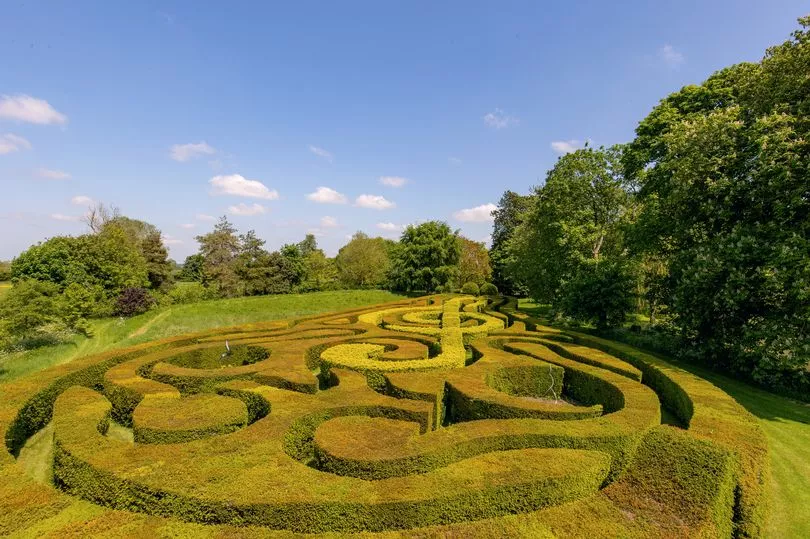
pixel 247 209
pixel 205 217
pixel 13 143
pixel 188 226
pixel 393 181
pixel 24 108
pixel 390 227
pixel 238 185
pixel 454 160
pixel 478 214
pixel 671 57
pixel 50 174
pixel 186 152
pixel 329 222
pixel 81 200
pixel 320 152
pixel 170 240
pixel 327 195
pixel 567 146
pixel 374 202
pixel 498 119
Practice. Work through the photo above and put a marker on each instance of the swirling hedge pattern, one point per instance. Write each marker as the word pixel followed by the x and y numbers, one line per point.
pixel 440 416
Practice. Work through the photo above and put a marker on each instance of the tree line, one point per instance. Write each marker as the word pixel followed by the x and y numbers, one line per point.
pixel 121 268
pixel 701 222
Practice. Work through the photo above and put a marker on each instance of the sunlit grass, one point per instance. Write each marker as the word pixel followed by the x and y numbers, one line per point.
pixel 111 333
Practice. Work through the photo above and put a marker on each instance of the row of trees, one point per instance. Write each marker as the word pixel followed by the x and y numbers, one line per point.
pixel 428 257
pixel 703 218
pixel 121 267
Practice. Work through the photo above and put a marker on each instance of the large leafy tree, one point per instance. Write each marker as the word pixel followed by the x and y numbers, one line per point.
pixel 219 249
pixel 575 218
pixel 724 169
pixel 473 263
pixel 426 258
pixel 512 208
pixel 364 262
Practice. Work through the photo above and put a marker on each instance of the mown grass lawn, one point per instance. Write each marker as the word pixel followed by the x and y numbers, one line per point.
pixel 786 423
pixel 111 333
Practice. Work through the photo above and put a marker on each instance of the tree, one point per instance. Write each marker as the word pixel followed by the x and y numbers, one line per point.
pixel 158 266
pixel 364 262
pixel 192 270
pixel 723 171
pixel 426 258
pixel 473 263
pixel 219 250
pixel 576 217
pixel 30 312
pixel 600 292
pixel 511 211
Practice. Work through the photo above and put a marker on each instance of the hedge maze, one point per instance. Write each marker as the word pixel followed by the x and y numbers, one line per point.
pixel 444 416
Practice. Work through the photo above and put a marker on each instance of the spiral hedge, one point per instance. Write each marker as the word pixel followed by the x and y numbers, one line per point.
pixel 443 416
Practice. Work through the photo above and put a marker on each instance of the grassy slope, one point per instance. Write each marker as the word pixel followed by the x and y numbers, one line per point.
pixel 4 286
pixel 176 320
pixel 787 425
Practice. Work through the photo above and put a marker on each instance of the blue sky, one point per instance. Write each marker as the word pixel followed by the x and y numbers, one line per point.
pixel 179 111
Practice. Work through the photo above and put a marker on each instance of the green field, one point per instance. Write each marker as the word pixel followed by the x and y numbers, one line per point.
pixel 176 320
pixel 786 423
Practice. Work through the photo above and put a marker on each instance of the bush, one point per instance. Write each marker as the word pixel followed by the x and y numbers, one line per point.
pixel 133 301
pixel 470 288
pixel 188 293
pixel 29 315
pixel 601 292
pixel 489 289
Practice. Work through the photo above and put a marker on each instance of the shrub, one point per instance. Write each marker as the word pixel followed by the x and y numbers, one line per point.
pixel 470 288
pixel 133 301
pixel 188 292
pixel 489 289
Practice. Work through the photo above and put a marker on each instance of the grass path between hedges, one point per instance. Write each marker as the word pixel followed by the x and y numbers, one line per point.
pixel 786 423
pixel 111 333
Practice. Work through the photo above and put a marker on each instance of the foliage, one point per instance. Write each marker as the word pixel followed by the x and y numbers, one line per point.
pixel 427 257
pixel 29 315
pixel 601 292
pixel 219 250
pixel 132 301
pixel 187 292
pixel 5 271
pixel 723 170
pixel 574 218
pixel 470 288
pixel 511 211
pixel 193 268
pixel 158 267
pixel 473 263
pixel 364 262
pixel 489 289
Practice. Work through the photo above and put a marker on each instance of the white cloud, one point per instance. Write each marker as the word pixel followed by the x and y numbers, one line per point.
pixel 81 200
pixel 325 195
pixel 671 57
pixel 24 108
pixel 247 209
pixel 62 217
pixel 13 143
pixel 188 226
pixel 374 202
pixel 454 160
pixel 320 152
pixel 317 232
pixel 50 174
pixel 238 185
pixel 498 119
pixel 204 217
pixel 566 146
pixel 170 240
pixel 393 181
pixel 186 152
pixel 391 227
pixel 329 222
pixel 478 214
